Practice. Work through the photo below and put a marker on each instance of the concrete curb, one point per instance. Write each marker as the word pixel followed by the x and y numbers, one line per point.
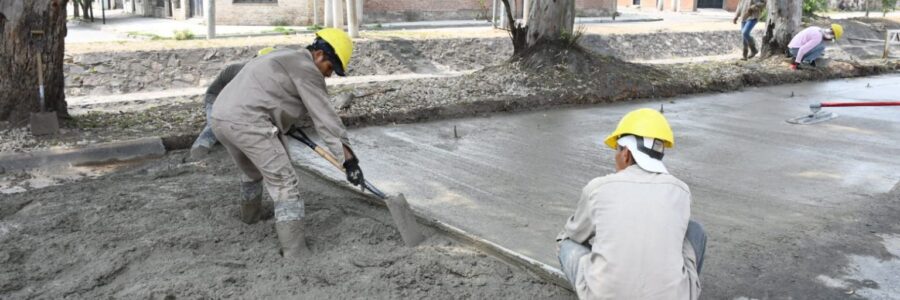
pixel 94 154
pixel 546 272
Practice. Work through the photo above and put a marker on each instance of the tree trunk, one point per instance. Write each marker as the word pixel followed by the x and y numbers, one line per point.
pixel 867 7
pixel 18 58
pixel 85 14
pixel 782 24
pixel 550 20
pixel 75 5
pixel 516 31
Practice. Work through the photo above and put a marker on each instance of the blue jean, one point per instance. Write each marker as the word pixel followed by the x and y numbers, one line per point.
pixel 810 56
pixel 570 252
pixel 207 138
pixel 747 28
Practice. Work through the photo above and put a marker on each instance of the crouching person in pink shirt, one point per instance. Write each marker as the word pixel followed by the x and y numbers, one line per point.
pixel 631 236
pixel 808 46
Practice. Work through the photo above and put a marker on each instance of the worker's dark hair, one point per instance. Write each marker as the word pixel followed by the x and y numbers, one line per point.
pixel 320 44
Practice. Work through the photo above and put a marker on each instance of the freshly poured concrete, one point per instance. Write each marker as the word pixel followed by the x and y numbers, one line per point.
pixel 779 201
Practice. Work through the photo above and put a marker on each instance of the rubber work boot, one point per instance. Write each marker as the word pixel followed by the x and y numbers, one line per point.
pixel 251 201
pixel 744 51
pixel 753 50
pixel 292 237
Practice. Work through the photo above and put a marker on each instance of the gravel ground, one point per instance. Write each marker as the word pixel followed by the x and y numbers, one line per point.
pixel 167 229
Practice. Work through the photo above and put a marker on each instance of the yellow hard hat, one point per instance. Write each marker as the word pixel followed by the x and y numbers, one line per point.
pixel 341 43
pixel 643 122
pixel 264 51
pixel 838 30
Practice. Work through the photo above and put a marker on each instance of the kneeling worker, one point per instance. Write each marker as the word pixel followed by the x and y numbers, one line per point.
pixel 631 236
pixel 256 109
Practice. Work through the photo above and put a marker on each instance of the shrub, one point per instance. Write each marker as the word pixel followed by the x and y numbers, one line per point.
pixel 181 35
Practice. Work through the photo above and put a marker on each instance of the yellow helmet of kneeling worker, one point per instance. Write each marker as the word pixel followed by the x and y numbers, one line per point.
pixel 643 122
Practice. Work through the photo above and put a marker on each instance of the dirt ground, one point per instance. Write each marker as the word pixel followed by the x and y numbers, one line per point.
pixel 168 229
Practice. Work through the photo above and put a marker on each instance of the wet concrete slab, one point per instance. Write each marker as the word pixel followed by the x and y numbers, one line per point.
pixel 757 182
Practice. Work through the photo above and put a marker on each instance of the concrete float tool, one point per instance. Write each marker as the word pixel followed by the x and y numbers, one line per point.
pixel 409 228
pixel 817 115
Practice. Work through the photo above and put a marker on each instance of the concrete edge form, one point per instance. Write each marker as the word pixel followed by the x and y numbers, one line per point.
pixel 539 269
pixel 100 153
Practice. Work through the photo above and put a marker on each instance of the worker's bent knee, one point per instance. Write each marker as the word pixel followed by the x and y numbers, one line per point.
pixel 570 254
pixel 292 210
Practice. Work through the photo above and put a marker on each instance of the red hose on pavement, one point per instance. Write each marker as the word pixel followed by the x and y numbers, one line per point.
pixel 844 104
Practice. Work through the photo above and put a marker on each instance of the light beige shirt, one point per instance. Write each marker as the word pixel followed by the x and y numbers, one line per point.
pixel 636 223
pixel 278 89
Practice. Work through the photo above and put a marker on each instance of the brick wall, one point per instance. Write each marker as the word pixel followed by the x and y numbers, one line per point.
pixel 682 5
pixel 731 5
pixel 290 12
pixel 595 8
pixel 299 12
pixel 380 11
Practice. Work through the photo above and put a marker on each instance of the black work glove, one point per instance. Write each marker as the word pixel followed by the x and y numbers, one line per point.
pixel 354 174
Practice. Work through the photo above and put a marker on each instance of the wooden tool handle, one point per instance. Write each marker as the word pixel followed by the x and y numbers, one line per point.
pixel 330 158
pixel 40 69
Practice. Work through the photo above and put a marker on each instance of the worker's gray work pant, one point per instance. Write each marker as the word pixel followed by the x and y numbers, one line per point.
pixel 570 252
pixel 206 138
pixel 260 154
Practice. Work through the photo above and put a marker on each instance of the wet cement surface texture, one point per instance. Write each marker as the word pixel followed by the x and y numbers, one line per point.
pixel 785 206
pixel 170 230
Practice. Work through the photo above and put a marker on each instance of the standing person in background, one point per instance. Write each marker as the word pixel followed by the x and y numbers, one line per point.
pixel 749 11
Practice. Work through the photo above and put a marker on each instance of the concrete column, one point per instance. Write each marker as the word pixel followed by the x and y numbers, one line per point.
pixel 167 8
pixel 352 24
pixel 338 7
pixel 494 14
pixel 329 17
pixel 359 12
pixel 315 19
pixel 502 15
pixel 210 19
pixel 526 9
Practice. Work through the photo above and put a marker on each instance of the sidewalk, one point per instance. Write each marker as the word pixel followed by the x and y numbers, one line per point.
pixel 121 26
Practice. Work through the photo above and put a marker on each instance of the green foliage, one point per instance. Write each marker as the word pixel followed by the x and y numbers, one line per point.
pixel 811 7
pixel 888 5
pixel 314 27
pixel 283 30
pixel 572 38
pixel 141 34
pixel 186 34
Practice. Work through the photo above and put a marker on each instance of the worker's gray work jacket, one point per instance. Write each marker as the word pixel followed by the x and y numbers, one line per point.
pixel 636 223
pixel 278 89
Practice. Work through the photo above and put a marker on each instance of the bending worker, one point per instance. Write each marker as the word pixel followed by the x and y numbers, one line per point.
pixel 207 139
pixel 631 236
pixel 807 46
pixel 258 107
